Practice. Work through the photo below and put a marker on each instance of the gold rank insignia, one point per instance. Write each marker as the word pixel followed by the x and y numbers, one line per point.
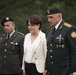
pixel 7 18
pixel 67 25
pixel 73 34
pixel 60 27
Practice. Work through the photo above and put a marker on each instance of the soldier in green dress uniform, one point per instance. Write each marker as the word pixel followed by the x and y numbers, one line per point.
pixel 61 44
pixel 11 48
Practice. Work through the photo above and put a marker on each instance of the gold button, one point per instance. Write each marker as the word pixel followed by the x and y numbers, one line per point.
pixel 4 55
pixel 51 62
pixel 50 56
pixel 35 58
pixel 5 50
pixel 5 43
pixel 67 63
pixel 34 52
pixel 57 46
pixel 63 45
pixel 50 44
pixel 50 50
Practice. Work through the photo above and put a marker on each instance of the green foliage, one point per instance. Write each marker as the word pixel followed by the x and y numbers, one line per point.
pixel 20 10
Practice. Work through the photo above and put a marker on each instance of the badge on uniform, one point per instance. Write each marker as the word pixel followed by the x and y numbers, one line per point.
pixel 48 11
pixel 14 44
pixel 73 34
pixel 60 45
pixel 60 38
pixel 7 18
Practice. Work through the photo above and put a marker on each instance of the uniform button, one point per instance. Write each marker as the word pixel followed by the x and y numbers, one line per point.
pixel 48 73
pixel 5 50
pixel 50 56
pixel 5 43
pixel 57 46
pixel 50 50
pixel 16 43
pixel 4 61
pixel 51 62
pixel 50 44
pixel 4 55
pixel 34 52
pixel 35 58
pixel 67 63
pixel 63 45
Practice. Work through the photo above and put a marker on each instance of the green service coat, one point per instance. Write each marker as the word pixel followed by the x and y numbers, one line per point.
pixel 61 54
pixel 11 53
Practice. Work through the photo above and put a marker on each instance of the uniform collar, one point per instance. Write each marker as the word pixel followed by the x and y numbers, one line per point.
pixel 12 33
pixel 56 27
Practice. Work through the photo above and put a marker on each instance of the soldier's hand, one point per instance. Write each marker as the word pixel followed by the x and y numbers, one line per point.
pixel 70 74
pixel 45 72
pixel 23 73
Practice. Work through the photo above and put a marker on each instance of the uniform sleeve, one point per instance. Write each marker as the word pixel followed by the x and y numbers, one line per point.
pixel 23 64
pixel 46 61
pixel 71 37
pixel 21 49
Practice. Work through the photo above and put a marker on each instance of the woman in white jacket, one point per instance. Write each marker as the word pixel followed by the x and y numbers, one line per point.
pixel 35 48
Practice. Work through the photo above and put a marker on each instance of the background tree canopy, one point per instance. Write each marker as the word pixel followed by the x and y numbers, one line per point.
pixel 20 10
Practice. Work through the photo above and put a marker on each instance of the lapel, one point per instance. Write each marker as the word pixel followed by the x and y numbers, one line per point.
pixel 48 37
pixel 57 31
pixel 27 39
pixel 12 37
pixel 37 41
pixel 4 37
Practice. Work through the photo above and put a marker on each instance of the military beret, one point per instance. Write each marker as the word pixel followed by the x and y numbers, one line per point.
pixel 53 11
pixel 7 19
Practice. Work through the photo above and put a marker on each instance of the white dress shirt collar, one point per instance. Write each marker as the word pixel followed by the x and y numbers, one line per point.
pixel 12 33
pixel 58 24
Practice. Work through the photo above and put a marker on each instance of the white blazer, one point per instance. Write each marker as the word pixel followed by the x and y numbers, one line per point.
pixel 40 50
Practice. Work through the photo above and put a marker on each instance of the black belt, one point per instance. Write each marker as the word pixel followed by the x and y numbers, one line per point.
pixel 30 63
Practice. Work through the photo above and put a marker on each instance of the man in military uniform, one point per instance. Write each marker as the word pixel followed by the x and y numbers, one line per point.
pixel 61 44
pixel 11 48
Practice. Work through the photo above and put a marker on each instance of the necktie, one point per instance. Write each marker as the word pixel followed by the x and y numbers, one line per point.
pixel 8 36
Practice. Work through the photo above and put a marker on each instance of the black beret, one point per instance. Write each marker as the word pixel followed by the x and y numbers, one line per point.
pixel 6 19
pixel 53 11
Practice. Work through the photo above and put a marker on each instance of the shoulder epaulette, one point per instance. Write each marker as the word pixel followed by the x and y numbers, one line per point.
pixel 67 25
pixel 21 33
pixel 49 27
